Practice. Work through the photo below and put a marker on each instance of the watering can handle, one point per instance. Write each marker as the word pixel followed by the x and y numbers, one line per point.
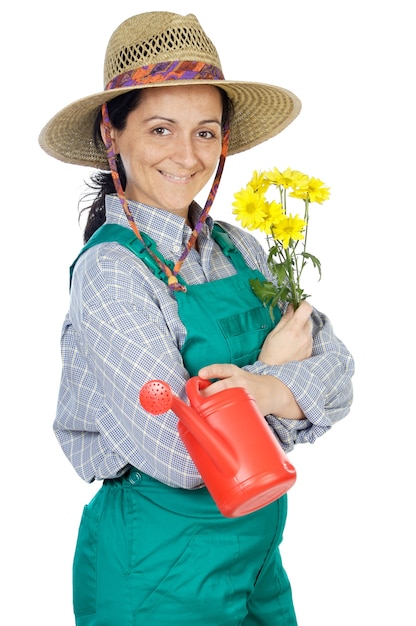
pixel 214 444
pixel 194 386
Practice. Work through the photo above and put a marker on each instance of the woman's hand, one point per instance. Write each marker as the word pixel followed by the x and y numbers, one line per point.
pixel 271 395
pixel 291 339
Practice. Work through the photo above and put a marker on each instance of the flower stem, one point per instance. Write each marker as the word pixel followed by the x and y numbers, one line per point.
pixel 305 240
pixel 292 282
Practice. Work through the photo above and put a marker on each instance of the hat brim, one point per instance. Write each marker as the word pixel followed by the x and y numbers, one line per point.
pixel 261 111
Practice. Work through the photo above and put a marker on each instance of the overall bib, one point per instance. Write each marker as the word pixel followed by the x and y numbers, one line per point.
pixel 155 555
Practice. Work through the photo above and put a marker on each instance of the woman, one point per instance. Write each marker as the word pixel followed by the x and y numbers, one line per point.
pixel 161 292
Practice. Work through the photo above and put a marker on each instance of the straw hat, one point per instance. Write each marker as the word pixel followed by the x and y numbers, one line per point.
pixel 165 49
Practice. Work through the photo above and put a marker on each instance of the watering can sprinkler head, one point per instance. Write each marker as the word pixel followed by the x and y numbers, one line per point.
pixel 156 397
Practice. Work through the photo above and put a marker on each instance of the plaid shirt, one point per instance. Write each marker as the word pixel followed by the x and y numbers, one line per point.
pixel 123 329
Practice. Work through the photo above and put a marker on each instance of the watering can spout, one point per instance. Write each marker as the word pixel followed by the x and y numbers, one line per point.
pixel 156 397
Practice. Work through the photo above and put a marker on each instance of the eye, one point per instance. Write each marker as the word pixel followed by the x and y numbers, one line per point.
pixel 160 130
pixel 206 134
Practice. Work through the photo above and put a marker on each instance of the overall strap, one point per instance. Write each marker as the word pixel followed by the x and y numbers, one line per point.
pixel 223 240
pixel 127 238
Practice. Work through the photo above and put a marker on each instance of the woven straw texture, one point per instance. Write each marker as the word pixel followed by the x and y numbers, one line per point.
pixel 260 111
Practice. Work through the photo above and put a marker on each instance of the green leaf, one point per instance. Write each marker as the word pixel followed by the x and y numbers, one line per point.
pixel 268 294
pixel 281 273
pixel 274 252
pixel 265 290
pixel 316 262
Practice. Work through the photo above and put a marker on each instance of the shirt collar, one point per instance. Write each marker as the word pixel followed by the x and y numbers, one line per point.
pixel 167 229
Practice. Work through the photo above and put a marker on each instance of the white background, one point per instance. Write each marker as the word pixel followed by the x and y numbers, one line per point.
pixel 349 546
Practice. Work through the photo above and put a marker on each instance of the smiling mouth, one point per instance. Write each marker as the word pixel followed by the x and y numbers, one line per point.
pixel 178 179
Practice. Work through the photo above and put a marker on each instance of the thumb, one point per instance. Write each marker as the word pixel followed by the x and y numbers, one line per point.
pixel 287 316
pixel 302 313
pixel 289 313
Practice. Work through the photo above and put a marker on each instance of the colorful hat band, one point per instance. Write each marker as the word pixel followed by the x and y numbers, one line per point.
pixel 162 72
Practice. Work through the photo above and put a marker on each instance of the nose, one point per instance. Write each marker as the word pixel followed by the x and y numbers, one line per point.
pixel 184 153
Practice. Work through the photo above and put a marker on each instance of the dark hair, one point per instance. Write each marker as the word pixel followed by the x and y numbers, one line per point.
pixel 101 182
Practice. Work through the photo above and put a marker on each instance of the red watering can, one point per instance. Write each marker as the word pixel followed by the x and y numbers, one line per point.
pixel 240 460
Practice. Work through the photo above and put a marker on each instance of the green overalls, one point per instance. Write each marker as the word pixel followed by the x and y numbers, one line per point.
pixel 154 555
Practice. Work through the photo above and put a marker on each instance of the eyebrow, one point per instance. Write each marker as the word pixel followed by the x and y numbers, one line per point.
pixel 172 121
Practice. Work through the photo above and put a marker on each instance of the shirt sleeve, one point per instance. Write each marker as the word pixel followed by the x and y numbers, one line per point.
pixel 320 384
pixel 119 335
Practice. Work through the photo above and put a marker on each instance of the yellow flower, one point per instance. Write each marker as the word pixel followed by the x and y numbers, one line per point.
pixel 274 213
pixel 289 227
pixel 259 182
pixel 288 179
pixel 287 257
pixel 249 208
pixel 314 191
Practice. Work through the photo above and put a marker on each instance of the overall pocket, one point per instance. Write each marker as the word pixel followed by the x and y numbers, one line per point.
pixel 245 333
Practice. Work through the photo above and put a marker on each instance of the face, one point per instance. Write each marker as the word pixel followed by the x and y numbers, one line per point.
pixel 170 145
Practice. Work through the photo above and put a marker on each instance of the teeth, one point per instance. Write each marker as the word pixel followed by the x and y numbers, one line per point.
pixel 176 177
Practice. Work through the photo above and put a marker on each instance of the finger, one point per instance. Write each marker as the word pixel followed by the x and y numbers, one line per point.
pixel 217 370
